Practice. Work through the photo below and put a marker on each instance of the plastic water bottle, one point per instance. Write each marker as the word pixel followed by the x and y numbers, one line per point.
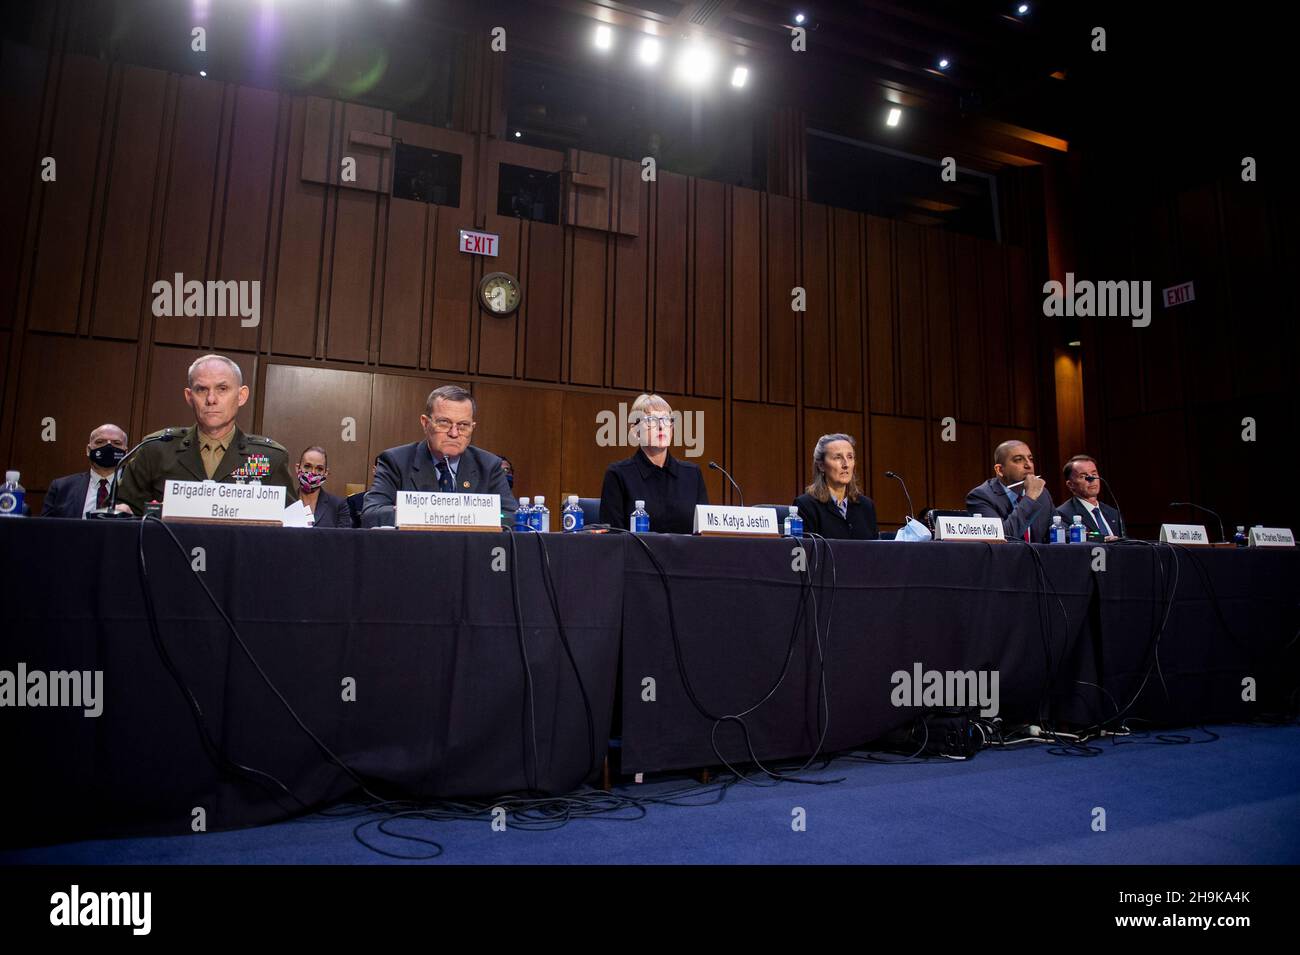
pixel 1076 530
pixel 521 515
pixel 793 523
pixel 1240 538
pixel 11 496
pixel 541 516
pixel 1057 534
pixel 571 519
pixel 639 521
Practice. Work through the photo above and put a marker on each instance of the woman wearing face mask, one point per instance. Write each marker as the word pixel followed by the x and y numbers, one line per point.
pixel 326 509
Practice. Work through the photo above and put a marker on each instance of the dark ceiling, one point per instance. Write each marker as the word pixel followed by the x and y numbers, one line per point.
pixel 1179 88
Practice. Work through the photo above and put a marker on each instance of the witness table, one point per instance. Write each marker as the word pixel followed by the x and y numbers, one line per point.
pixel 401 653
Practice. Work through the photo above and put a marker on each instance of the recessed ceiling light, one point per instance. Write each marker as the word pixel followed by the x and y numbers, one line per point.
pixel 738 76
pixel 944 64
pixel 798 18
pixel 895 114
pixel 695 64
pixel 649 51
pixel 604 37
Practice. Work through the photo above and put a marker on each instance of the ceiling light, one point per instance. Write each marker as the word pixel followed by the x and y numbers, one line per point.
pixel 695 64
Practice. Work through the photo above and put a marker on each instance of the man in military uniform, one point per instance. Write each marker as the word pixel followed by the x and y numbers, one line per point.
pixel 214 448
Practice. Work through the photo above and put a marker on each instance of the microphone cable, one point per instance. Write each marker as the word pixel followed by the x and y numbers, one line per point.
pixel 548 581
pixel 215 751
pixel 806 586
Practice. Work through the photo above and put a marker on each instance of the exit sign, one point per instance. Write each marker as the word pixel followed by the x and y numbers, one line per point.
pixel 1179 295
pixel 479 243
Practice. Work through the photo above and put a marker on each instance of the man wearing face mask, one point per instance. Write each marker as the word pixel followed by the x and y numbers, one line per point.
pixel 443 461
pixel 79 494
pixel 327 510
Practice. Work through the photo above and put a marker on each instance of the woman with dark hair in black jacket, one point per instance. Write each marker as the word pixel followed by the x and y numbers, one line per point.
pixel 833 506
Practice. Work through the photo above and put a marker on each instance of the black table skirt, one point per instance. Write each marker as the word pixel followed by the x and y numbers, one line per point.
pixel 419 621
pixel 425 627
pixel 1074 645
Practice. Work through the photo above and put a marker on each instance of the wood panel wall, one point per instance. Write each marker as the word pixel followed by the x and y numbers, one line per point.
pixel 1166 404
pixel 367 304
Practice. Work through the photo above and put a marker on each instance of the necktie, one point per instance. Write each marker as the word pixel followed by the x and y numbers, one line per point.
pixel 843 505
pixel 1100 518
pixel 101 496
pixel 444 477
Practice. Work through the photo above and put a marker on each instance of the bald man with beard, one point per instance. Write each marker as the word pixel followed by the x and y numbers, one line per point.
pixel 1026 509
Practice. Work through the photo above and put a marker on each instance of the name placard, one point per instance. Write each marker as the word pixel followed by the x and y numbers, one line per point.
pixel 969 529
pixel 1271 537
pixel 721 520
pixel 209 501
pixel 1193 535
pixel 435 511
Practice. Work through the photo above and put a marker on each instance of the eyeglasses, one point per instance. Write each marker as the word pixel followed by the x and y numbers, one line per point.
pixel 444 425
pixel 659 421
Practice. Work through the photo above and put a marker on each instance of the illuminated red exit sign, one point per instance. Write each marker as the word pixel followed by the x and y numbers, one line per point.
pixel 479 243
pixel 1179 294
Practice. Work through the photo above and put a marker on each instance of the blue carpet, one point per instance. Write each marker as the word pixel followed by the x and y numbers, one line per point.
pixel 1235 800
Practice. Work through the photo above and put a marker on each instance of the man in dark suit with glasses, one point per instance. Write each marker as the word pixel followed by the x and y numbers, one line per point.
pixel 443 461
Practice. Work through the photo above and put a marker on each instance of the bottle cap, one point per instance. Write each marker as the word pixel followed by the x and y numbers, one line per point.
pixel 794 511
pixel 523 502
pixel 573 499
pixel 11 477
pixel 640 504
pixel 541 499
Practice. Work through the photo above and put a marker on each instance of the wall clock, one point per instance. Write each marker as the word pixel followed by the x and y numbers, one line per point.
pixel 499 293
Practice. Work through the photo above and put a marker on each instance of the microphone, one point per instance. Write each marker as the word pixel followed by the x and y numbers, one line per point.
pixel 1222 537
pixel 715 466
pixel 166 434
pixel 1118 510
pixel 910 513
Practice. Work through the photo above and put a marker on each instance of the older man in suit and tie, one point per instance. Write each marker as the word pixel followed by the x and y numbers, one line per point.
pixel 77 495
pixel 1015 493
pixel 1084 483
pixel 443 461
